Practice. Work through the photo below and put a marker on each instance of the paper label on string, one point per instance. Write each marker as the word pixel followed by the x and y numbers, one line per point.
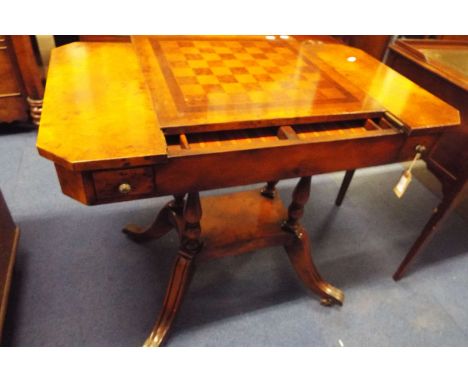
pixel 402 184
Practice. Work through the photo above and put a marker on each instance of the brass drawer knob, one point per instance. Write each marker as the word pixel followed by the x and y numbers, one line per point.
pixel 125 188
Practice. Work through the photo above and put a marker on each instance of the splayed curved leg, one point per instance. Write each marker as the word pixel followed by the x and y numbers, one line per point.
pixel 161 225
pixel 300 255
pixel 175 291
pixel 299 250
pixel 181 274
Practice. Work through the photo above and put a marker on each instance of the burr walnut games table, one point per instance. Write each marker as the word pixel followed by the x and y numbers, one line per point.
pixel 180 115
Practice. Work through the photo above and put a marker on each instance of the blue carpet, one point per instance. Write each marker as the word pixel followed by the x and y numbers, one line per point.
pixel 79 281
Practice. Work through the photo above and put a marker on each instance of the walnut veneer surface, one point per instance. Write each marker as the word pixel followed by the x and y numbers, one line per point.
pixel 107 114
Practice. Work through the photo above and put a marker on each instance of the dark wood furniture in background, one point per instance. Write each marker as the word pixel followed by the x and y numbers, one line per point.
pixel 21 87
pixel 375 45
pixel 104 38
pixel 453 37
pixel 9 235
pixel 215 112
pixel 440 66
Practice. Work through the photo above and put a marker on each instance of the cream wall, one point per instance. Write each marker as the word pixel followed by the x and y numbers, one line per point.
pixel 45 43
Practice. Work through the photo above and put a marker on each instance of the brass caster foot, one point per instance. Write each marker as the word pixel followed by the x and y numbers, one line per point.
pixel 327 302
pixel 296 230
pixel 151 342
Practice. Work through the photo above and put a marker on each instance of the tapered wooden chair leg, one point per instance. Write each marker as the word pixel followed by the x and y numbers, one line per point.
pixel 300 255
pixel 175 291
pixel 449 202
pixel 344 187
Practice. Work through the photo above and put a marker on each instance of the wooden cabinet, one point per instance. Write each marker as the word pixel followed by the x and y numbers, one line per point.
pixel 21 87
pixel 9 234
pixel 13 105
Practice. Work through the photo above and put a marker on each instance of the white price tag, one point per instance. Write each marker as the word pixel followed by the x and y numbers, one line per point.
pixel 403 183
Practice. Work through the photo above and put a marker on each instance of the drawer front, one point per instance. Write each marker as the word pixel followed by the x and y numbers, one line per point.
pixel 124 184
pixel 8 82
pixel 408 151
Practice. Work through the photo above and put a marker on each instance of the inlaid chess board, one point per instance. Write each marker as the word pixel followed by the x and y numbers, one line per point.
pixel 213 83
